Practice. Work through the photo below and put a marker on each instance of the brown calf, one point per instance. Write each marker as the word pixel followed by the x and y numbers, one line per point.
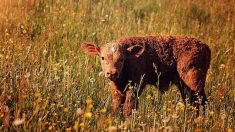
pixel 156 60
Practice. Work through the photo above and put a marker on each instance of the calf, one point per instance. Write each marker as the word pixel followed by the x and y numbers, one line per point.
pixel 155 60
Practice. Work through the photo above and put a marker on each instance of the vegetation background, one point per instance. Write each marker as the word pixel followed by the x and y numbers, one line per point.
pixel 47 83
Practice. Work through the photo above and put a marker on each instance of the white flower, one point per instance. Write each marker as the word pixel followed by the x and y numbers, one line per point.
pixel 101 73
pixel 80 111
pixel 112 129
pixel 18 122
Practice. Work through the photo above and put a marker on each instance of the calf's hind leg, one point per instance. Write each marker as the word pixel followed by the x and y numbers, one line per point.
pixel 192 85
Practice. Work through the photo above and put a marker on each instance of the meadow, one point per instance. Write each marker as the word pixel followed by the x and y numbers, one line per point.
pixel 48 84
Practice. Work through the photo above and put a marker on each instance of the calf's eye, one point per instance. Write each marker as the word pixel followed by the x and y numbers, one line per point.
pixel 102 58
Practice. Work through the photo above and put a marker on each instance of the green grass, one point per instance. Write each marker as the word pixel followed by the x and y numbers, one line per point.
pixel 46 80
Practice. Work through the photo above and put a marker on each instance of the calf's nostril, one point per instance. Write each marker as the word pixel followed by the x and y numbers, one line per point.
pixel 108 74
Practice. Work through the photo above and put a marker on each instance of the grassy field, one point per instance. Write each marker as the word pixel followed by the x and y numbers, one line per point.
pixel 47 83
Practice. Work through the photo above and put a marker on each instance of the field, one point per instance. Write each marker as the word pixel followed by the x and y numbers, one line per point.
pixel 47 83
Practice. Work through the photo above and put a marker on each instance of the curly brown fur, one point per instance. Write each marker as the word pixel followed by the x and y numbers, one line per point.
pixel 156 60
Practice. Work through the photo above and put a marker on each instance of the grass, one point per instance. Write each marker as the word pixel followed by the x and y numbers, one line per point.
pixel 47 83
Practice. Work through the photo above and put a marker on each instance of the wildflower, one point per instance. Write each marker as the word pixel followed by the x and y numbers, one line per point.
pixel 148 97
pixel 82 124
pixel 75 125
pixel 198 130
pixel 168 109
pixel 222 66
pixel 180 106
pixel 37 94
pixel 79 111
pixel 68 129
pixel 53 124
pixel 168 129
pixel 206 121
pixel 24 31
pixel 63 122
pixel 18 122
pixel 50 128
pixel 7 57
pixel 199 120
pixel 222 116
pixel 92 80
pixel 89 101
pixel 211 112
pixel 189 121
pixel 112 129
pixel 88 115
pixel 161 127
pixel 108 121
pixel 65 110
pixel 230 130
pixel 142 126
pixel 11 41
pixel 103 110
pixel 52 104
pixel 1 115
pixel 167 119
pixel 90 106
pixel 174 116
pixel 101 74
pixel 27 75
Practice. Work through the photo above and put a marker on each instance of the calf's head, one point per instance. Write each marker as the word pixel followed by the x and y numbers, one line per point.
pixel 113 56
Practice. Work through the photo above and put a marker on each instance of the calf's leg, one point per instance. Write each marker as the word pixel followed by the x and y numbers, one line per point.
pixel 130 103
pixel 195 98
pixel 117 98
pixel 192 85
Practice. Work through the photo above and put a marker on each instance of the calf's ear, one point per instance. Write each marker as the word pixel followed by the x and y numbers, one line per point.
pixel 90 48
pixel 135 51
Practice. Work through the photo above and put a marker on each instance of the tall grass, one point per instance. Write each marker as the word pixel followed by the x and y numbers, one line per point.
pixel 47 83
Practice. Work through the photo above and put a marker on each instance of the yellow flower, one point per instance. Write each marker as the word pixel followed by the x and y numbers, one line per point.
pixel 148 97
pixel 169 109
pixel 89 101
pixel 222 66
pixel 198 130
pixel 65 110
pixel 37 94
pixel 108 121
pixel 230 130
pixel 50 128
pixel 103 110
pixel 63 122
pixel 88 115
pixel 211 112
pixel 82 124
pixel 7 57
pixel 199 120
pixel 68 129
pixel 112 129
pixel 90 106
pixel 75 125
pixel 180 106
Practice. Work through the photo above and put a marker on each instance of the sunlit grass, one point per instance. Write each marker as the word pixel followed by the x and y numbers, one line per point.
pixel 47 83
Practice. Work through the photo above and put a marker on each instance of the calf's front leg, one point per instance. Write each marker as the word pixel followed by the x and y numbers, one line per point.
pixel 117 98
pixel 130 103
